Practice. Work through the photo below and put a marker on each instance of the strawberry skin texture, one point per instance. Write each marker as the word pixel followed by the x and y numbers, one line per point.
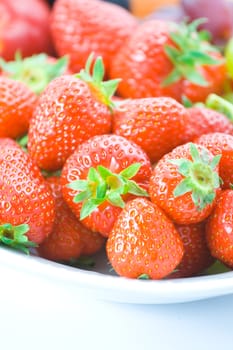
pixel 197 256
pixel 24 195
pixel 68 237
pixel 219 229
pixel 157 125
pixel 165 178
pixel 144 241
pixel 202 120
pixel 143 65
pixel 92 27
pixel 68 113
pixel 17 103
pixel 220 143
pixel 113 152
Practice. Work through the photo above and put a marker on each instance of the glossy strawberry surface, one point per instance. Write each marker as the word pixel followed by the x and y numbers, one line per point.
pixel 143 242
pixel 155 124
pixel 67 114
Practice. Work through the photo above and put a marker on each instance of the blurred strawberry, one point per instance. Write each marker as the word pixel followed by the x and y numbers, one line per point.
pixel 17 103
pixel 80 27
pixel 24 27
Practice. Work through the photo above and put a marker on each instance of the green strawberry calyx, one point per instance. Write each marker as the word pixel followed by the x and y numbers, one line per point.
pixel 35 71
pixel 15 237
pixel 94 77
pixel 200 176
pixel 103 185
pixel 192 50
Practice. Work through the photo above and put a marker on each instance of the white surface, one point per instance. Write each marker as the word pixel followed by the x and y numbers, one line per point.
pixel 38 313
pixel 103 286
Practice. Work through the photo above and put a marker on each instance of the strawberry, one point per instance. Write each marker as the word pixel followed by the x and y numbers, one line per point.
pixel 144 242
pixel 220 144
pixel 72 109
pixel 24 27
pixel 219 229
pixel 102 173
pixel 163 58
pixel 17 103
pixel 69 239
pixel 197 255
pixel 184 183
pixel 35 71
pixel 94 26
pixel 156 124
pixel 203 120
pixel 27 206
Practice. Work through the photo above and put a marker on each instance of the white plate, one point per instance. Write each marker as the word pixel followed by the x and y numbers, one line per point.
pixel 104 285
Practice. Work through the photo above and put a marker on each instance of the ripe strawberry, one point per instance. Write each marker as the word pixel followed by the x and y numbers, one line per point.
pixel 202 120
pixel 219 229
pixel 197 255
pixel 184 183
pixel 102 173
pixel 220 144
pixel 162 58
pixel 144 242
pixel 69 239
pixel 156 124
pixel 35 71
pixel 24 27
pixel 94 26
pixel 70 111
pixel 17 103
pixel 27 206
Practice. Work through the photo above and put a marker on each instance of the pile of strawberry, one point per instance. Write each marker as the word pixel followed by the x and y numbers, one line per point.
pixel 124 143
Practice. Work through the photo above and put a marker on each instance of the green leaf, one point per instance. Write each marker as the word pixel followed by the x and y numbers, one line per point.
pixel 194 153
pixel 183 187
pixel 88 207
pixel 215 161
pixel 104 172
pixel 78 185
pixel 81 196
pixel 98 70
pixel 173 77
pixel 133 188
pixel 131 170
pixel 115 199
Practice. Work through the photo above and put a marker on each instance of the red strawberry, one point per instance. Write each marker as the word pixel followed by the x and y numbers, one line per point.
pixel 203 120
pixel 197 255
pixel 219 230
pixel 69 239
pixel 17 103
pixel 220 144
pixel 156 124
pixel 144 242
pixel 70 111
pixel 27 206
pixel 93 26
pixel 166 59
pixel 100 175
pixel 24 27
pixel 184 183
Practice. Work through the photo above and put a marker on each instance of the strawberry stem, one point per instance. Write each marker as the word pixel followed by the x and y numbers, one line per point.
pixel 221 105
pixel 103 185
pixel 15 237
pixel 103 89
pixel 200 177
